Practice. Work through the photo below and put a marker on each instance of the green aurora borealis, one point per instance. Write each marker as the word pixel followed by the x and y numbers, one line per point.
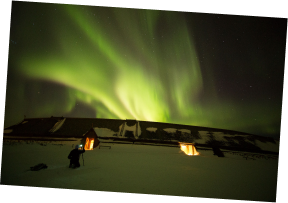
pixel 83 61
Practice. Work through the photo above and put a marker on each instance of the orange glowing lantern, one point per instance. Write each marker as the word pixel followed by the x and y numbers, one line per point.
pixel 189 149
pixel 89 144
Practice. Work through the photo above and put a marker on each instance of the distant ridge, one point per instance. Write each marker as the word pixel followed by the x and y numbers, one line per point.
pixel 140 131
pixel 152 123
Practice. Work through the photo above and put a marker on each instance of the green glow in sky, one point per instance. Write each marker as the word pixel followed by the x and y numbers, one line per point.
pixel 126 64
pixel 126 83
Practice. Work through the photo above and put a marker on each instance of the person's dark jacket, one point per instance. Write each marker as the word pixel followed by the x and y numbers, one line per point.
pixel 75 154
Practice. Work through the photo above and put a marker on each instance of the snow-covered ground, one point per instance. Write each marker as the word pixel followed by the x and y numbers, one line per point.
pixel 142 169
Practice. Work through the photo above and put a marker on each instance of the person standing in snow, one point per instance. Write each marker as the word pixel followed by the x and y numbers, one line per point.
pixel 74 156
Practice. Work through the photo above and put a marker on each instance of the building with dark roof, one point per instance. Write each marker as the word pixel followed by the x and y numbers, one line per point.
pixel 135 131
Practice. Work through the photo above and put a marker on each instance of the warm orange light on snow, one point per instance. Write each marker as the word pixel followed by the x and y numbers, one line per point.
pixel 89 144
pixel 189 149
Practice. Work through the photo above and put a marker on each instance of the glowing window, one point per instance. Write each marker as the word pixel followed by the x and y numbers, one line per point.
pixel 189 149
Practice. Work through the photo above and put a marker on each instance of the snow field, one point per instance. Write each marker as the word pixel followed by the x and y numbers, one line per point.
pixel 141 169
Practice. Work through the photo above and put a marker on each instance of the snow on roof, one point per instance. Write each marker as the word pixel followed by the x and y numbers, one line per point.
pixel 8 131
pixel 104 132
pixel 170 130
pixel 219 136
pixel 130 128
pixel 57 126
pixel 268 146
pixel 185 131
pixel 151 129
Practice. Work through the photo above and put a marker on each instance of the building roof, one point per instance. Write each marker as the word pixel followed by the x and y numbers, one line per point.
pixel 59 127
pixel 33 126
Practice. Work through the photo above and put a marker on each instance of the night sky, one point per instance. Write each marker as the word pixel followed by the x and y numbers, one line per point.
pixel 212 70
